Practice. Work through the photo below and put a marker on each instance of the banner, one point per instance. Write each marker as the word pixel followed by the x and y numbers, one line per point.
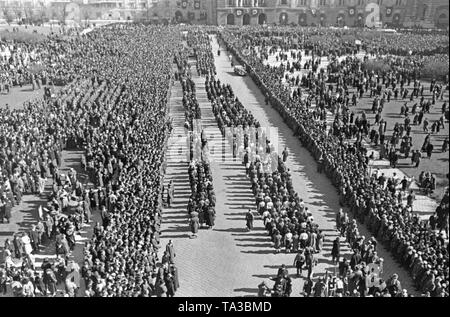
pixel 254 12
pixel 388 11
pixel 302 19
pixel 239 12
pixel 397 18
pixel 197 4
pixel 184 4
pixel 351 11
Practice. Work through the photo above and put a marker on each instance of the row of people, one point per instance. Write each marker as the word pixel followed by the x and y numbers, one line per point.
pixel 347 166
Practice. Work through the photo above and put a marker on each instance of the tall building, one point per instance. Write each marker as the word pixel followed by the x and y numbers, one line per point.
pixel 426 13
pixel 388 13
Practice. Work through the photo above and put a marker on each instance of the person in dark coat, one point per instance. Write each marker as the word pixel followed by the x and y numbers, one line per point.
pixel 8 209
pixel 171 252
pixel 18 246
pixel 2 209
pixel 210 216
pixel 249 220
pixel 308 287
pixel 194 223
pixel 174 271
pixel 170 194
pixel 170 285
pixel 429 150
pixel 34 238
pixel 105 217
pixel 336 250
pixel 343 268
pixel 299 261
pixel 355 259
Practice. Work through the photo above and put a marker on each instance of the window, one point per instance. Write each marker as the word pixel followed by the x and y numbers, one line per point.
pixel 341 3
pixel 322 3
pixel 301 3
pixel 231 3
pixel 380 2
pixel 283 2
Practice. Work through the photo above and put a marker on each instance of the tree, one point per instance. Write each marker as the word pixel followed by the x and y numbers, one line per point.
pixel 59 13
pixel 43 12
pixel 19 13
pixel 29 16
pixel 8 14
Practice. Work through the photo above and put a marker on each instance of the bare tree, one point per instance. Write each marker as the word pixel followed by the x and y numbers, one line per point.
pixel 19 13
pixel 59 14
pixel 43 12
pixel 8 14
pixel 28 11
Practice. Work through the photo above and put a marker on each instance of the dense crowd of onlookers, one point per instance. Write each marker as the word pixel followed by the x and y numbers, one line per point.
pixel 373 199
pixel 121 123
pixel 55 60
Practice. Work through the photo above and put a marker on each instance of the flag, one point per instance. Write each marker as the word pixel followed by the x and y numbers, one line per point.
pixel 351 11
pixel 197 4
pixel 388 11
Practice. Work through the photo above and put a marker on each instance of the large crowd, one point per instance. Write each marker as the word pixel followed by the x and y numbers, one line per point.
pixel 121 123
pixel 52 60
pixel 372 199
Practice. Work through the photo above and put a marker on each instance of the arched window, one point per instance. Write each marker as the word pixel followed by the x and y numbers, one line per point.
pixel 230 19
pixel 262 19
pixel 246 19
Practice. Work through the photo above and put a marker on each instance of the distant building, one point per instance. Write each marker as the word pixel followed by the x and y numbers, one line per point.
pixel 373 13
pixel 394 13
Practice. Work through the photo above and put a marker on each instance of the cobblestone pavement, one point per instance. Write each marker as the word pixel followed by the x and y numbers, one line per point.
pixel 391 114
pixel 315 189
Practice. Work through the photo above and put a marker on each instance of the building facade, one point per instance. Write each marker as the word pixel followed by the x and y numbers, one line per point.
pixel 186 11
pixel 372 13
pixel 165 11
